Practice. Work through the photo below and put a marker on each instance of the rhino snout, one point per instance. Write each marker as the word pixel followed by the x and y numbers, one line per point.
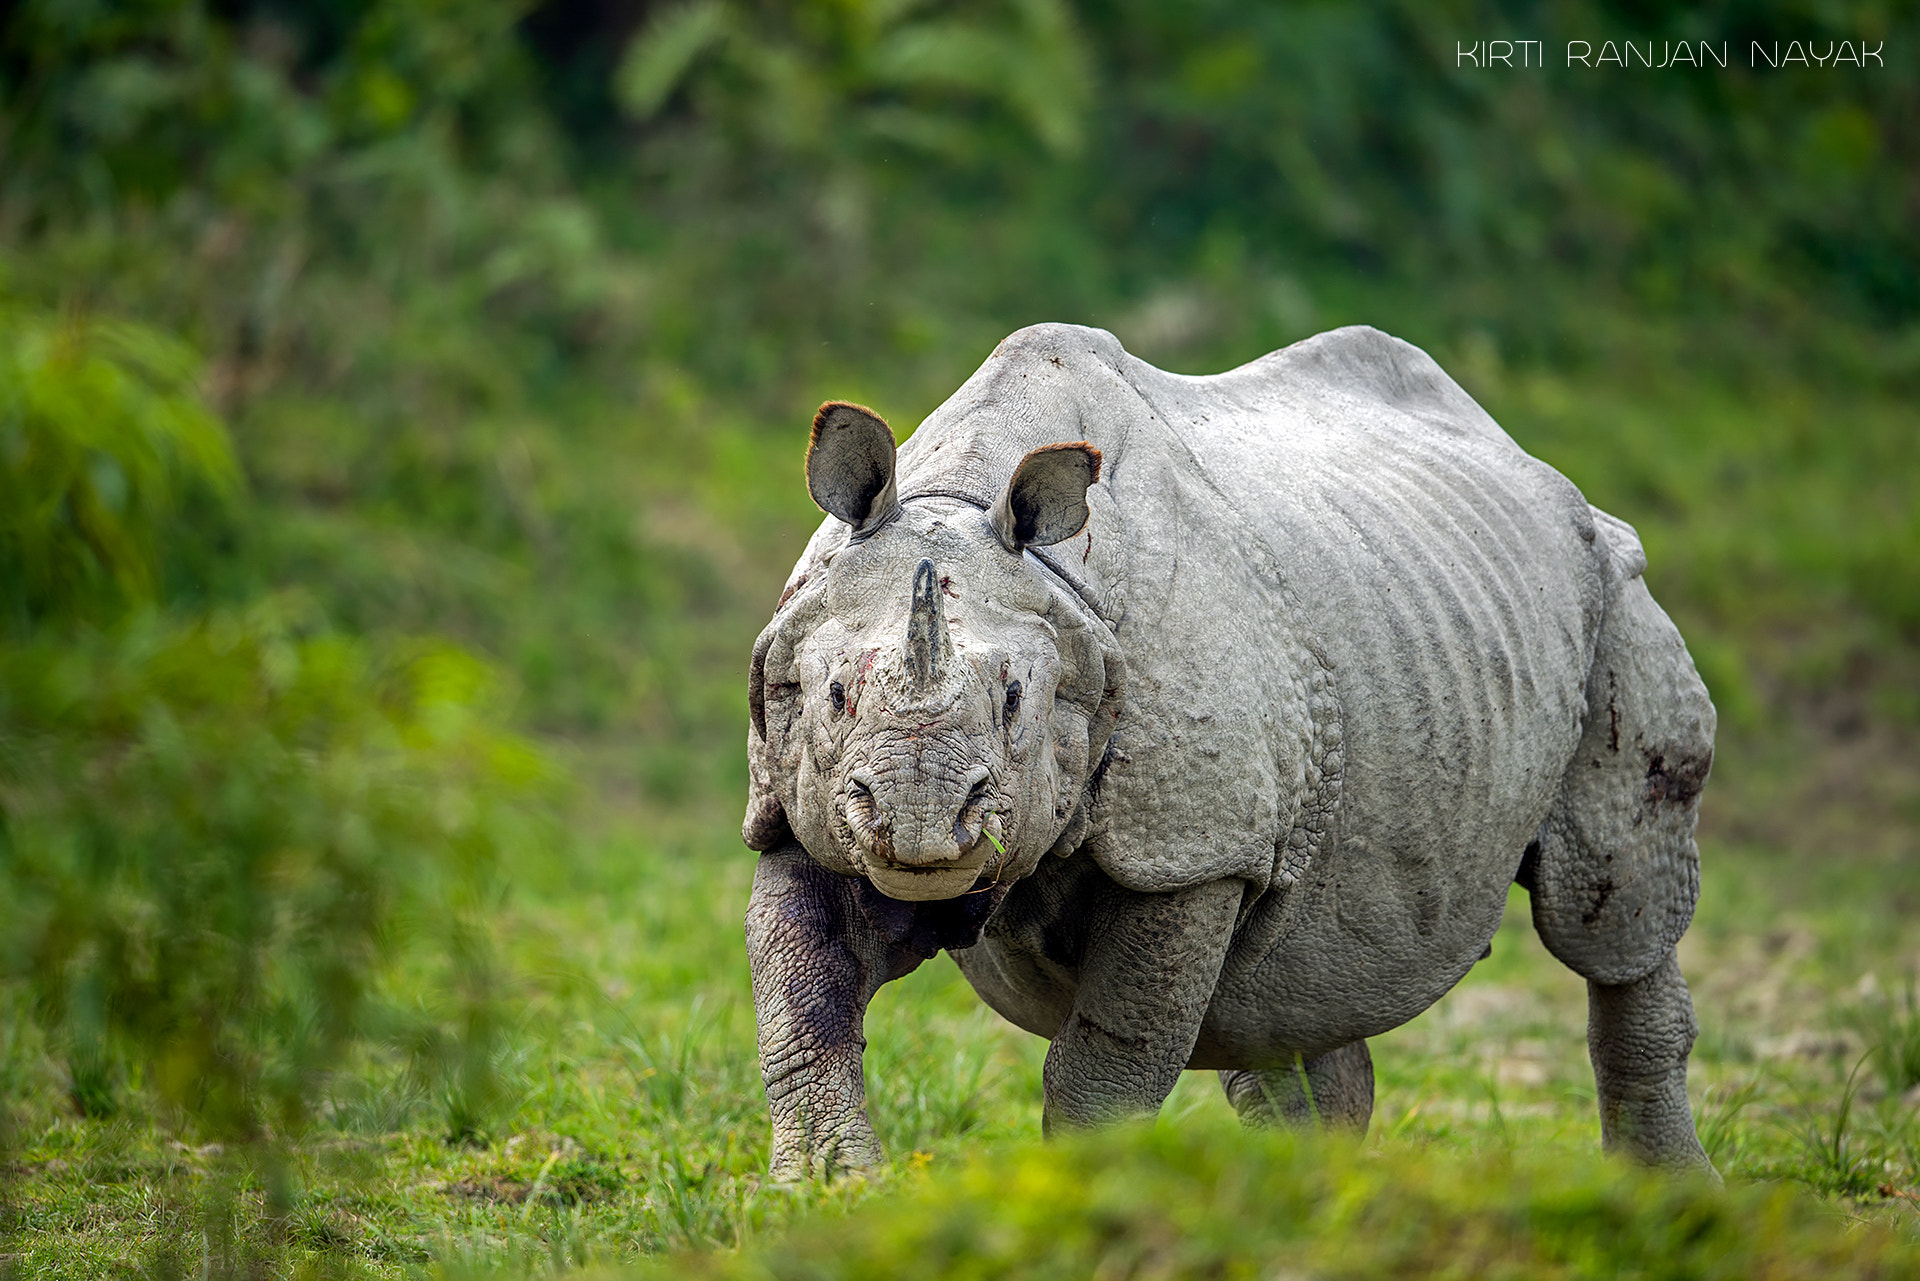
pixel 919 822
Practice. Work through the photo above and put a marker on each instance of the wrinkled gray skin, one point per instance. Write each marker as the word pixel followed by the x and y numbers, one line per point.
pixel 1265 721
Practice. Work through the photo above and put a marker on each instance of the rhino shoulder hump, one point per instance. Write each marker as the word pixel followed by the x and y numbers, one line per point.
pixel 1359 362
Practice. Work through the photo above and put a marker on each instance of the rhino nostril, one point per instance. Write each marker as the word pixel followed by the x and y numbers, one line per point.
pixel 863 811
pixel 972 817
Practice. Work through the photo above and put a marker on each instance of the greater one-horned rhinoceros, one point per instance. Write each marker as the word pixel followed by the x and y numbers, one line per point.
pixel 1206 722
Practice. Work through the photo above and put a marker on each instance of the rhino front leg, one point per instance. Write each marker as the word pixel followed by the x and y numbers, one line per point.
pixel 1335 1090
pixel 1639 1035
pixel 816 962
pixel 1149 969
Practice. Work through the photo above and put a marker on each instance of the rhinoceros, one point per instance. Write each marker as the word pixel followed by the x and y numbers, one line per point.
pixel 1206 721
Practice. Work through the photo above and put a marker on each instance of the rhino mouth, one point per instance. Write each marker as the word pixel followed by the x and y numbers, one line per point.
pixel 951 863
pixel 932 880
pixel 911 844
pixel 921 884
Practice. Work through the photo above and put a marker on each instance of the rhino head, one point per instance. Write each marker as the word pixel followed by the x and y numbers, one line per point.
pixel 928 698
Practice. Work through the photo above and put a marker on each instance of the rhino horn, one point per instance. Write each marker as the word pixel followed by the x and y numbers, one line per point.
pixel 927 643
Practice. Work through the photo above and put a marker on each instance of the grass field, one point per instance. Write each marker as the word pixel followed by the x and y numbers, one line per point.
pixel 631 1120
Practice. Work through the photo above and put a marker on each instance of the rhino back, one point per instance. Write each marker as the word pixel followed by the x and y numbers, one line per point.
pixel 1451 579
pixel 1453 584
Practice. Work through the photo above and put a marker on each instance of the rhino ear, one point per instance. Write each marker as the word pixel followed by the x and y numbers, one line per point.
pixel 1046 501
pixel 850 465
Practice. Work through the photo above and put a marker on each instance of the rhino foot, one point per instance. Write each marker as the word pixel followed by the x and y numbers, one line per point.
pixel 1334 1090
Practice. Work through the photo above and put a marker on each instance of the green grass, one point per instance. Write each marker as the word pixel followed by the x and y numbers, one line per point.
pixel 1199 1199
pixel 634 1123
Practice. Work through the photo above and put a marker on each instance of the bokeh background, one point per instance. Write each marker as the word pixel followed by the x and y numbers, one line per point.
pixel 401 414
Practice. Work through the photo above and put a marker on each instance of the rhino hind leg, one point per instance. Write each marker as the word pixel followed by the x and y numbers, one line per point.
pixel 1334 1090
pixel 1639 1035
pixel 1614 872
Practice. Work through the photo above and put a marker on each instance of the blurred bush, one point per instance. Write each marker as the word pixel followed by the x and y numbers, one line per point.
pixel 215 834
pixel 102 433
pixel 215 831
pixel 836 84
pixel 1204 1200
pixel 1245 152
pixel 1356 131
pixel 508 304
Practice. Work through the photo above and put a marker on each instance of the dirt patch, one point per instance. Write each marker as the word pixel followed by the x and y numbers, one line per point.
pixel 1679 782
pixel 566 1175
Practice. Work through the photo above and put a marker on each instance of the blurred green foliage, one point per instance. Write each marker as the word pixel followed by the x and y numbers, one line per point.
pixel 212 828
pixel 214 833
pixel 1205 1201
pixel 1358 130
pixel 842 84
pixel 101 431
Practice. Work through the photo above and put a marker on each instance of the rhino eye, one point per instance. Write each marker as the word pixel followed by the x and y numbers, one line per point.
pixel 1013 700
pixel 838 696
